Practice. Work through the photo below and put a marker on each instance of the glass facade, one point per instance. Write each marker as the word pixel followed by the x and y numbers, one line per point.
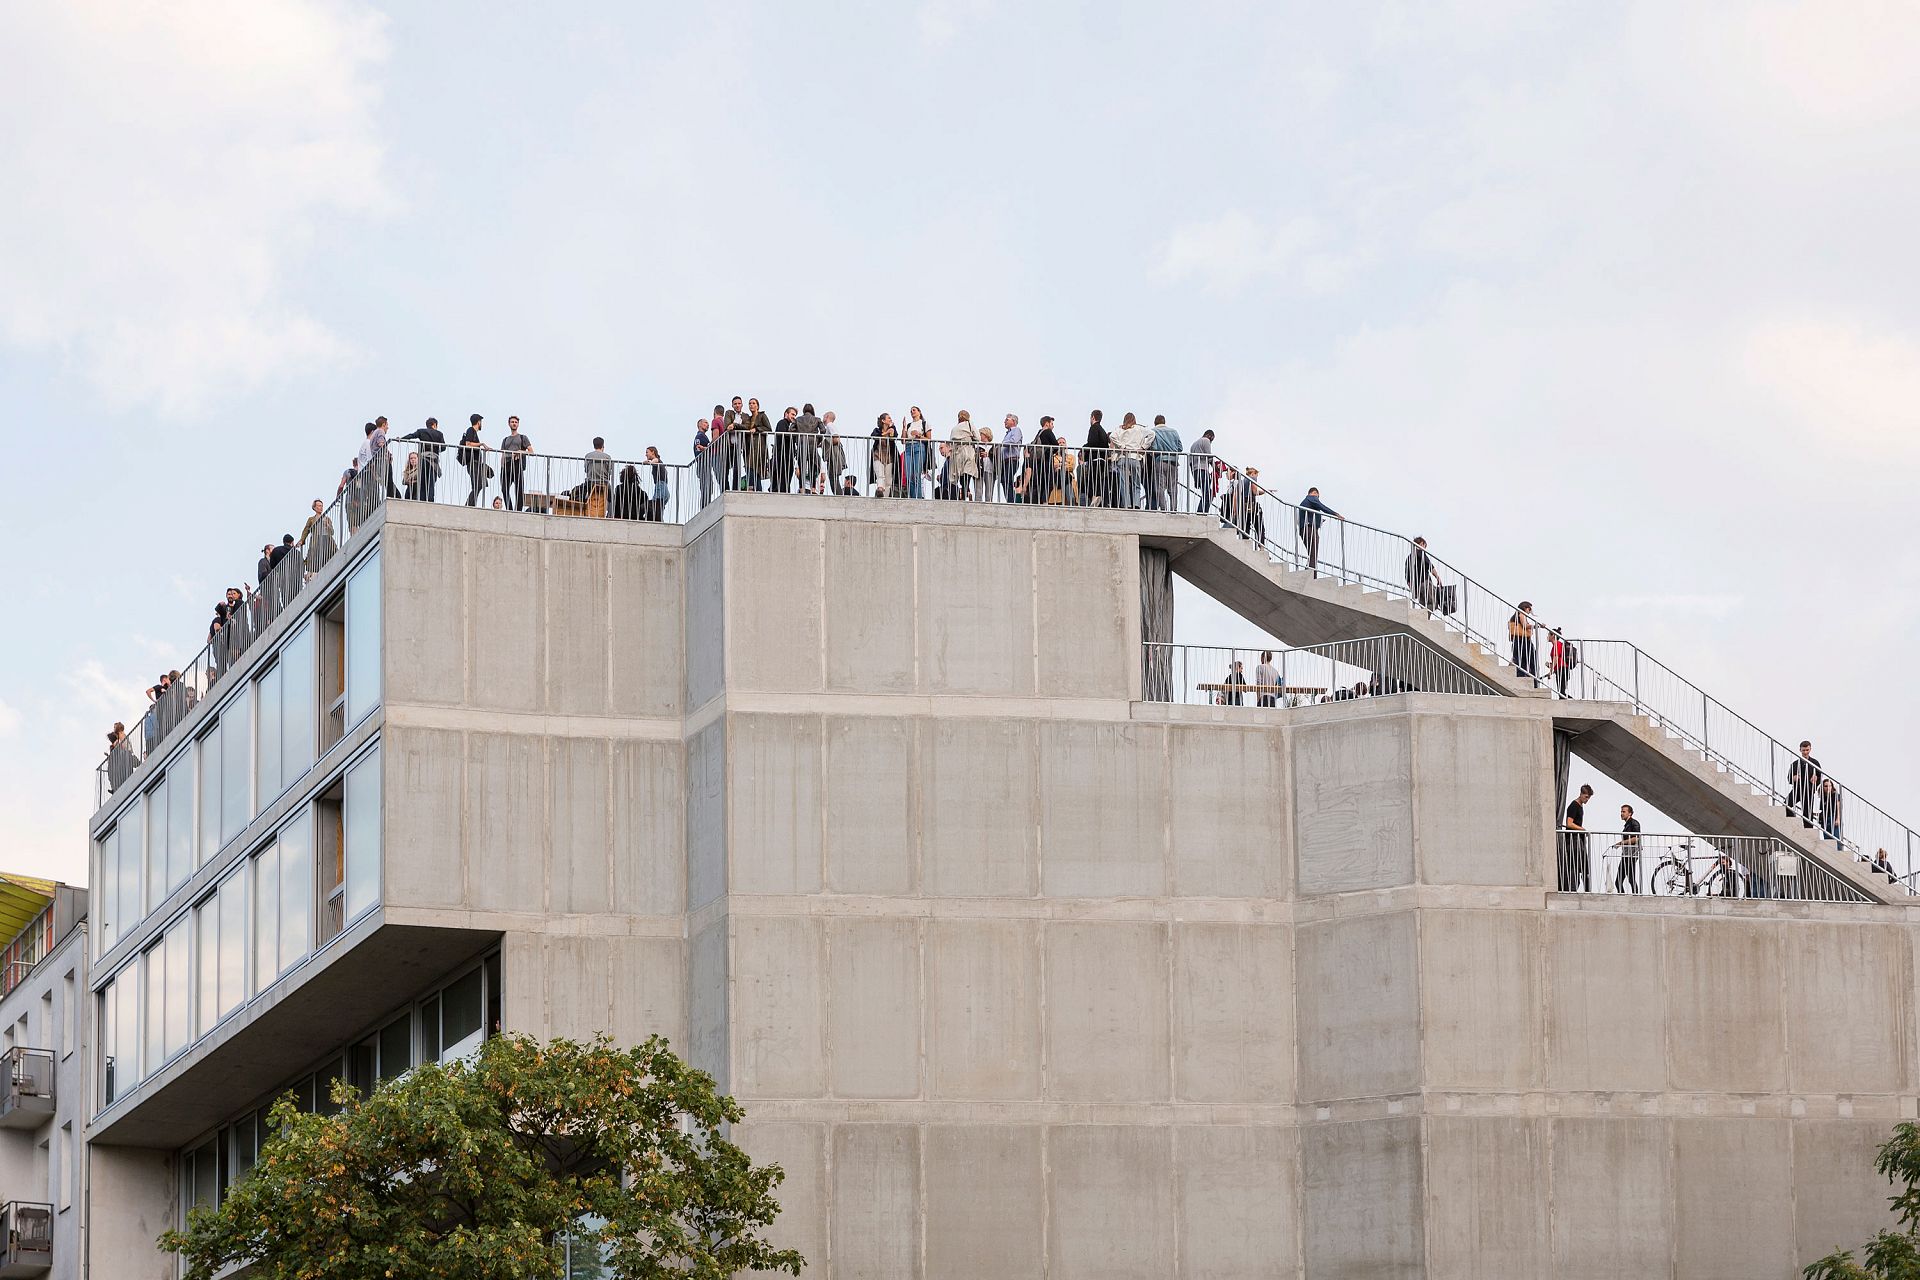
pixel 363 640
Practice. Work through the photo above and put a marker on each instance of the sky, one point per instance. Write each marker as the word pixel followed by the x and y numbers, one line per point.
pixel 1616 304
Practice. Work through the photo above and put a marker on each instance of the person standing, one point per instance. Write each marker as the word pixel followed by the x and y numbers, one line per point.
pixel 963 464
pixel 1803 784
pixel 1559 659
pixel 1266 679
pixel 599 467
pixel 1012 438
pixel 431 443
pixel 1163 476
pixel 1131 442
pixel 808 445
pixel 1423 580
pixel 1830 800
pixel 1096 464
pixel 1235 693
pixel 833 450
pixel 1312 512
pixel 917 459
pixel 317 539
pixel 883 462
pixel 1574 870
pixel 1626 879
pixel 472 454
pixel 703 460
pixel 1201 471
pixel 759 437
pixel 514 448
pixel 661 491
pixel 784 453
pixel 1520 634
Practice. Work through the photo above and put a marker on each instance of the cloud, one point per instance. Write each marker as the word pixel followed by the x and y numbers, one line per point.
pixel 1838 381
pixel 1231 251
pixel 180 161
pixel 89 688
pixel 9 720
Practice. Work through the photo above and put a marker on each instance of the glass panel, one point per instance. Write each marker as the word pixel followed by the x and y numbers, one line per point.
pixel 155 1030
pixel 178 947
pixel 362 830
pixel 461 1016
pixel 266 917
pixel 130 868
pixel 363 640
pixel 107 876
pixel 363 1064
pixel 127 1071
pixel 323 1087
pixel 267 757
pixel 303 1094
pixel 298 706
pixel 245 1145
pixel 492 967
pixel 207 1001
pixel 209 754
pixel 331 857
pixel 156 804
pixel 296 890
pixel 206 1171
pixel 236 765
pixel 233 942
pixel 180 820
pixel 396 1048
pixel 430 1029
pixel 111 1042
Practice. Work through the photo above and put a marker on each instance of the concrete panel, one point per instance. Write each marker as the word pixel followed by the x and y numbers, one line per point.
pixel 1839 1199
pixel 871 822
pixel 649 990
pixel 774 804
pixel 426 767
pixel 1733 1200
pixel 979 789
pixel 774 572
pixel 704 594
pixel 579 625
pixel 649 795
pixel 523 981
pixel 1606 1003
pixel 1082 591
pixel 873 1008
pixel 983 1024
pixel 506 821
pixel 579 987
pixel 1480 984
pixel 506 624
pixel 1109 1202
pixel 1233 1036
pixel 649 633
pixel 577 790
pixel 1848 1002
pixel 1227 812
pixel 709 987
pixel 1236 1193
pixel 1106 1012
pixel 975 594
pixel 1486 1209
pixel 706 815
pixel 1103 826
pixel 135 1191
pixel 423 575
pixel 778 1018
pixel 801 1152
pixel 1483 788
pixel 986 1202
pixel 1723 999
pixel 876 1202
pixel 1358 1006
pixel 1612 1205
pixel 1361 1200
pixel 869 607
pixel 1353 805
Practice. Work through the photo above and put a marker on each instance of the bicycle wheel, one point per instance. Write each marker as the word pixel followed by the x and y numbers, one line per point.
pixel 1670 878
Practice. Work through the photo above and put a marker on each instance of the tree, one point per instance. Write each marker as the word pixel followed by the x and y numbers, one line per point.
pixel 484 1169
pixel 1891 1255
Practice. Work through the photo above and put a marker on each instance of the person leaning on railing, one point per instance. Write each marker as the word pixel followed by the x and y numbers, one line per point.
pixel 432 441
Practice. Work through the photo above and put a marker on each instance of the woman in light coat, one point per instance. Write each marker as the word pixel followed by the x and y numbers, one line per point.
pixel 964 465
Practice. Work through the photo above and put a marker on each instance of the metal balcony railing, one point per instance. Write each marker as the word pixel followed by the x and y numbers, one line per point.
pixel 1685 866
pixel 29 1238
pixel 26 1088
pixel 1211 675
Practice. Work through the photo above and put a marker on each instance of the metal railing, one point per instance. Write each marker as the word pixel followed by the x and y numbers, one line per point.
pixel 242 619
pixel 25 1074
pixel 1697 866
pixel 599 486
pixel 28 1226
pixel 1212 675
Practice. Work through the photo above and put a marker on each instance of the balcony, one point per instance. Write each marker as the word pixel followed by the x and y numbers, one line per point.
pixel 26 1100
pixel 29 1247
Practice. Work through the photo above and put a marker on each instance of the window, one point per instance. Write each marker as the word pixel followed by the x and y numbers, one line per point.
pixel 180 862
pixel 283 902
pixel 156 805
pixel 363 640
pixel 131 853
pixel 298 709
pixel 207 751
pixel 67 1018
pixel 331 639
pixel 207 945
pixel 236 765
pixel 120 877
pixel 349 847
pixel 199 1177
pixel 233 942
pixel 120 1032
pixel 178 946
pixel 266 693
pixel 46 1019
pixel 244 1139
pixel 154 1022
pixel 462 1017
pixel 64 1174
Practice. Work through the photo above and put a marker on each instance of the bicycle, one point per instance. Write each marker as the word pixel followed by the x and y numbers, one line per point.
pixel 1674 875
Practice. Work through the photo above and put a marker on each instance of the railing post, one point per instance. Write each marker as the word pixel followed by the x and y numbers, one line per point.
pixel 1703 720
pixel 1636 677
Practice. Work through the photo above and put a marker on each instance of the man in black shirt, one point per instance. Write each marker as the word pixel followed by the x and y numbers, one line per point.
pixel 513 465
pixel 431 443
pixel 1627 878
pixel 472 455
pixel 1803 783
pixel 1575 874
pixel 265 566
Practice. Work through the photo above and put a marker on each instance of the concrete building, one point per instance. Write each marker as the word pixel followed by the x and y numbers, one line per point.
pixel 1015 971
pixel 45 1044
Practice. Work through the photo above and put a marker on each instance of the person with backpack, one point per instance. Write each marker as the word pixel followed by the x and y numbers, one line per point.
pixel 1562 657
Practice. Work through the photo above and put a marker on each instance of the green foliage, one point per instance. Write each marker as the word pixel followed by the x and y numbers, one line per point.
pixel 1891 1255
pixel 479 1169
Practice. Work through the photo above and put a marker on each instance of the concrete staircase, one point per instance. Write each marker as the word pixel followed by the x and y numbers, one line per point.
pixel 1630 748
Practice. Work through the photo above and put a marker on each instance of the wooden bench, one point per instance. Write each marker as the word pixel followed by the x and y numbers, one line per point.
pixel 565 504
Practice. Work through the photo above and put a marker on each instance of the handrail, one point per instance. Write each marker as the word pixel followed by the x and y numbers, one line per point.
pixel 1336 671
pixel 930 467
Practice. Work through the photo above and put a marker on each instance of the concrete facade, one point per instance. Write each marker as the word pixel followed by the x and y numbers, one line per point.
pixel 1016 974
